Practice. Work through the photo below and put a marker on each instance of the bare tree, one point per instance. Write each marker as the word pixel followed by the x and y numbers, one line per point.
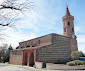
pixel 10 10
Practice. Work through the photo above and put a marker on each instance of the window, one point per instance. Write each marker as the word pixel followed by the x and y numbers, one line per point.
pixel 64 29
pixel 72 29
pixel 33 46
pixel 39 41
pixel 27 46
pixel 68 23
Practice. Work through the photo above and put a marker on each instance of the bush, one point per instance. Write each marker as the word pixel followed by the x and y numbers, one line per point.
pixel 72 63
pixel 76 62
pixel 83 62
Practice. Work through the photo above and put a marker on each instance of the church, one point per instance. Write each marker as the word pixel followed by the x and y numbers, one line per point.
pixel 51 48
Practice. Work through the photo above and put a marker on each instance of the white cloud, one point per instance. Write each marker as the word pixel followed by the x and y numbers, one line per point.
pixel 80 31
pixel 81 42
pixel 81 38
pixel 1 1
pixel 14 37
pixel 77 29
pixel 82 48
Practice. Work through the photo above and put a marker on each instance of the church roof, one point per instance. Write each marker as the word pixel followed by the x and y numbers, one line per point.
pixel 44 36
pixel 30 48
pixel 67 13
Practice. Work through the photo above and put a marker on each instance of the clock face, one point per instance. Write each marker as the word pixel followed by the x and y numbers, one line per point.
pixel 73 36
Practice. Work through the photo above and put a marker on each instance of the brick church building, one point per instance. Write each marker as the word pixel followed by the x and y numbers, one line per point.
pixel 51 48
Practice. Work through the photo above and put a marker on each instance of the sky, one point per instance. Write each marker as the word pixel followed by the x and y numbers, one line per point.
pixel 46 18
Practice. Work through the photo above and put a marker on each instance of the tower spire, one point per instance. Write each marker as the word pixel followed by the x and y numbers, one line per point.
pixel 67 13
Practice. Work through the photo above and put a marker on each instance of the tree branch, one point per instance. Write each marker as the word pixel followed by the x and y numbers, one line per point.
pixel 9 7
pixel 4 25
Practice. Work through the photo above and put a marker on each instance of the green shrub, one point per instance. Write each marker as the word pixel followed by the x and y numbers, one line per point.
pixel 83 62
pixel 72 63
pixel 76 62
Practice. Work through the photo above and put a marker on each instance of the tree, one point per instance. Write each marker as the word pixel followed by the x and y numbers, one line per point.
pixel 7 54
pixel 2 52
pixel 76 54
pixel 10 10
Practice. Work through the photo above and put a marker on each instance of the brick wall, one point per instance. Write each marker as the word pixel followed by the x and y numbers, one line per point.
pixel 62 45
pixel 16 57
pixel 58 52
pixel 73 43
pixel 40 41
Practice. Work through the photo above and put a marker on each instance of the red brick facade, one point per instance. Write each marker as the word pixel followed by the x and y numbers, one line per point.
pixel 29 53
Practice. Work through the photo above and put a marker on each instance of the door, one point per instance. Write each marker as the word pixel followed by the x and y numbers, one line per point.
pixel 32 60
pixel 26 59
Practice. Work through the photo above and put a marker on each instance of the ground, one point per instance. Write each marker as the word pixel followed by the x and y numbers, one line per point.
pixel 9 67
pixel 6 67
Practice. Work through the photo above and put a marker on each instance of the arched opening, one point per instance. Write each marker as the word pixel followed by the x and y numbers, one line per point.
pixel 68 23
pixel 64 29
pixel 26 59
pixel 32 60
pixel 72 29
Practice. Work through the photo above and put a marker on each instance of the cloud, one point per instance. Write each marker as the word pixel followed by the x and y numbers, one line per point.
pixel 1 1
pixel 81 42
pixel 24 29
pixel 82 48
pixel 14 37
pixel 77 29
pixel 81 38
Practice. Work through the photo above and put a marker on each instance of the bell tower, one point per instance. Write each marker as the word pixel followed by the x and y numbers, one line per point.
pixel 68 29
pixel 68 24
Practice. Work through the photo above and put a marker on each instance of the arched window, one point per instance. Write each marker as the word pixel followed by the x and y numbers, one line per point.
pixel 39 41
pixel 72 29
pixel 64 29
pixel 27 46
pixel 68 23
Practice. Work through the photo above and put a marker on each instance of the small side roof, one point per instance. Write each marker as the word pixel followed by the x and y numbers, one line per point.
pixel 30 48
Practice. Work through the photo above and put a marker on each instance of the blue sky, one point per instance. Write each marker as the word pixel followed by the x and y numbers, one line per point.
pixel 46 18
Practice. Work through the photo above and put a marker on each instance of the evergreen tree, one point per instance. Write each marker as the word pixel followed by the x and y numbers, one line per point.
pixel 7 54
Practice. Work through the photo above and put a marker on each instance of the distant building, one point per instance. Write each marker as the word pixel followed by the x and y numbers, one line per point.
pixel 52 48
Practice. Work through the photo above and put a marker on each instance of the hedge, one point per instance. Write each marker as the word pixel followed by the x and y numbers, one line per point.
pixel 76 62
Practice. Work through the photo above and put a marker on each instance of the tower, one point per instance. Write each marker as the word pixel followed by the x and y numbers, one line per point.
pixel 68 29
